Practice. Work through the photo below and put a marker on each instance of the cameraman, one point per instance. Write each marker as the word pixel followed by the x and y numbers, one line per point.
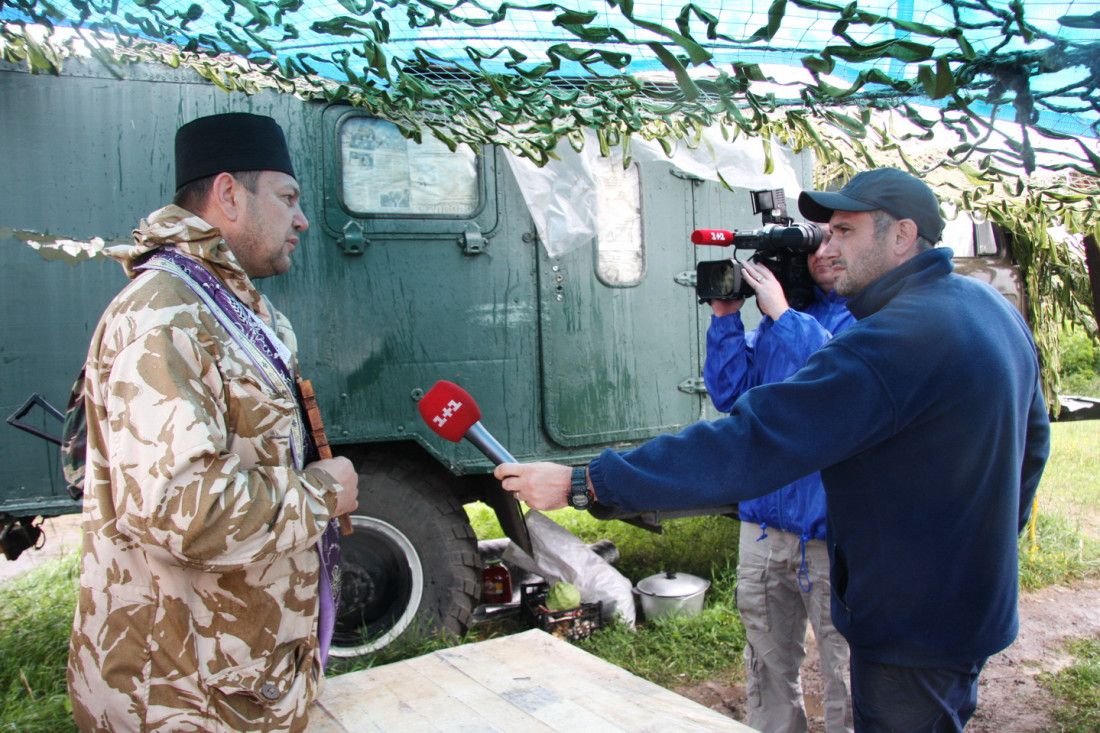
pixel 783 562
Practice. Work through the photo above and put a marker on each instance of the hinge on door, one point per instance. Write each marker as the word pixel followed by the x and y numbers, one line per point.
pixel 687 278
pixel 351 239
pixel 694 385
pixel 471 241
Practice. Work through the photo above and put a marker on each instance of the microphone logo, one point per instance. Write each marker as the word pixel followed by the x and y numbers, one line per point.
pixel 447 413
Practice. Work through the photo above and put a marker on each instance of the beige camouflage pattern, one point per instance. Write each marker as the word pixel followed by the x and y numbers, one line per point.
pixel 199 576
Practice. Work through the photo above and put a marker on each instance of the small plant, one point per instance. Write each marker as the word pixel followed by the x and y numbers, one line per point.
pixel 681 650
pixel 1063 555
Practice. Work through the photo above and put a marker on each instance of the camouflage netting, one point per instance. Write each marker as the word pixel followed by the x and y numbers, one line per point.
pixel 1000 99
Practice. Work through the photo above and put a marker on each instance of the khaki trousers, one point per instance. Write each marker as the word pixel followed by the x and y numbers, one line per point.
pixel 774 608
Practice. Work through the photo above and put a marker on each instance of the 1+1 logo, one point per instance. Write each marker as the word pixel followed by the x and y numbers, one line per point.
pixel 447 413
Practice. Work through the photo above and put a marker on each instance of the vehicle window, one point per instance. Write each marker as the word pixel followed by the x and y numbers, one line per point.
pixel 620 253
pixel 969 237
pixel 985 239
pixel 384 173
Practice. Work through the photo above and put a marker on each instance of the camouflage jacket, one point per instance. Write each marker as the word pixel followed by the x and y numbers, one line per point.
pixel 199 573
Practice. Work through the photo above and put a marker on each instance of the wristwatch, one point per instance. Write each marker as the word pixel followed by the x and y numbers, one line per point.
pixel 579 496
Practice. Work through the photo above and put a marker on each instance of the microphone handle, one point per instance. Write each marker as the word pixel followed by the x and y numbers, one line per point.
pixel 487 444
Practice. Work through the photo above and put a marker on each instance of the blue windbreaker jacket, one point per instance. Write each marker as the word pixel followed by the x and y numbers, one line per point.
pixel 773 351
pixel 927 423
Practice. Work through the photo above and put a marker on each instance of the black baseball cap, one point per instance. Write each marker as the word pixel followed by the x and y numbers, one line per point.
pixel 231 142
pixel 899 194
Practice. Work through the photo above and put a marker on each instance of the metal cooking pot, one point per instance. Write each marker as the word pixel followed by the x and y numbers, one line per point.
pixel 671 594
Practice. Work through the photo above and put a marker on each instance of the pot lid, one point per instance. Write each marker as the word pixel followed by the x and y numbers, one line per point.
pixel 671 584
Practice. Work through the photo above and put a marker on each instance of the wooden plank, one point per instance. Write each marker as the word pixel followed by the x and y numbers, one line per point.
pixel 518 674
pixel 528 682
pixel 473 697
pixel 421 694
pixel 624 701
pixel 321 720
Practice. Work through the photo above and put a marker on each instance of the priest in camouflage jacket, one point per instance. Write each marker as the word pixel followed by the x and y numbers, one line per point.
pixel 201 577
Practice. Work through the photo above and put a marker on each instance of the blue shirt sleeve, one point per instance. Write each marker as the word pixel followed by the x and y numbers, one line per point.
pixel 736 362
pixel 791 341
pixel 1035 454
pixel 775 434
pixel 726 368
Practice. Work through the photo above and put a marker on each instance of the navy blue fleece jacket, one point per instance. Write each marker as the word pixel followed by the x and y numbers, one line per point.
pixel 927 423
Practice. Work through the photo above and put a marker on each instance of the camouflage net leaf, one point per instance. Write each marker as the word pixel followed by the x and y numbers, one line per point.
pixel 476 70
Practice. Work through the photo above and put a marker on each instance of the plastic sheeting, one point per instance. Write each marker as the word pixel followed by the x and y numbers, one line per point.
pixel 562 195
pixel 562 556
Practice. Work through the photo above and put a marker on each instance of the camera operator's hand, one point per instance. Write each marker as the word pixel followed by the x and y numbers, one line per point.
pixel 725 307
pixel 769 293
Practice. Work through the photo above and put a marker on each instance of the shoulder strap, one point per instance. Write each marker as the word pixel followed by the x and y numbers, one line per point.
pixel 264 349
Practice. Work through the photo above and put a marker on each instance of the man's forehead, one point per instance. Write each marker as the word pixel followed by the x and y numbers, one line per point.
pixel 848 217
pixel 280 180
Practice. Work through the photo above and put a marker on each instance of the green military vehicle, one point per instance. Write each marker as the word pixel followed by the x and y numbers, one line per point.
pixel 420 264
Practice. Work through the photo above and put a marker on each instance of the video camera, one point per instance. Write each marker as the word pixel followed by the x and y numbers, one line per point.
pixel 781 246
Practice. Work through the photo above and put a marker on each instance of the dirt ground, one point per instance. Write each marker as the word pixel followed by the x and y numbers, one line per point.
pixel 1009 698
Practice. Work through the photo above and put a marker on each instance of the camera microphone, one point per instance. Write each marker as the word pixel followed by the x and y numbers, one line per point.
pixel 713 237
pixel 795 237
pixel 452 414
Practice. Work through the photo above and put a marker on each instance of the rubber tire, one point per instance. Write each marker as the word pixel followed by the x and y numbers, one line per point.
pixel 411 567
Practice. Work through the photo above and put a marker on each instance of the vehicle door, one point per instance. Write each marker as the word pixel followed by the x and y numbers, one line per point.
pixel 619 320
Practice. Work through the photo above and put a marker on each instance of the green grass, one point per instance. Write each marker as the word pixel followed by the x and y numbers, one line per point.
pixel 1071 482
pixel 1077 689
pixel 1066 546
pixel 36 615
pixel 679 651
pixel 36 610
pixel 1080 369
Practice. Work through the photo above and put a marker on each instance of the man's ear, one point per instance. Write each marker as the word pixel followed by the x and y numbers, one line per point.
pixel 905 245
pixel 226 196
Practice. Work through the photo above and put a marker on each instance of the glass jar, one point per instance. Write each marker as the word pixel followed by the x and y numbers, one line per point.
pixel 496 583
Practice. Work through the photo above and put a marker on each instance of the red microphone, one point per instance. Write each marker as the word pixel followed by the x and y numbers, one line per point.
pixel 452 414
pixel 715 237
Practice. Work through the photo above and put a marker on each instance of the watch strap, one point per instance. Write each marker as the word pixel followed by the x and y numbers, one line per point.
pixel 579 495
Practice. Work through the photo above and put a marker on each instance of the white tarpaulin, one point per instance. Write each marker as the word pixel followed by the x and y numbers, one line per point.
pixel 561 556
pixel 562 195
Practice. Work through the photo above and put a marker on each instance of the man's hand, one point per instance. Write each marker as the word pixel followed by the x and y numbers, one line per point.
pixel 342 470
pixel 541 486
pixel 769 293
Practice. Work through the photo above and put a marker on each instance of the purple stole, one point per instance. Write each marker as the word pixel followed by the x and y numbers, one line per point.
pixel 272 360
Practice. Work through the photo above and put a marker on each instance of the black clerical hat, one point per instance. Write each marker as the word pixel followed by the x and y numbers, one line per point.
pixel 236 141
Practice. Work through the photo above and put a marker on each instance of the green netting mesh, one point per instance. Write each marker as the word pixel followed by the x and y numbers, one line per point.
pixel 994 102
pixel 527 73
